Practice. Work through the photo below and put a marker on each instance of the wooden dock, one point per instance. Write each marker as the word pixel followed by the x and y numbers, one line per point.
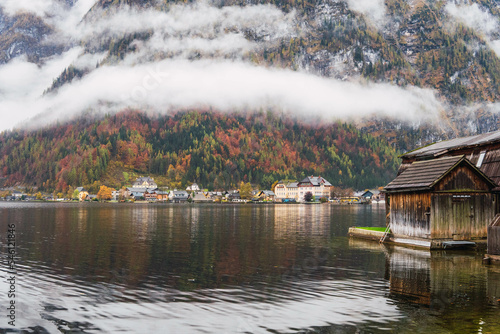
pixel 360 233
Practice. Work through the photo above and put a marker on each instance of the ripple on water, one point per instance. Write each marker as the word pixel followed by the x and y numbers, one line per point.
pixel 221 269
pixel 280 306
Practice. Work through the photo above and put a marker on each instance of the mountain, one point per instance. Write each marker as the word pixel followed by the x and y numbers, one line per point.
pixel 450 50
pixel 405 72
pixel 216 150
pixel 25 34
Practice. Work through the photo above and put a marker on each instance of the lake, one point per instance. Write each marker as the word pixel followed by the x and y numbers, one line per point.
pixel 185 268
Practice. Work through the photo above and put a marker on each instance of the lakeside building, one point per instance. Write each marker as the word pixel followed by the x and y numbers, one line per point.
pixel 201 197
pixel 288 190
pixel 83 196
pixel 439 200
pixel 162 196
pixel 373 195
pixel 145 182
pixel 150 196
pixel 448 190
pixel 178 196
pixel 141 192
pixel 317 185
pixel 264 195
pixel 17 194
pixel 233 196
pixel 193 187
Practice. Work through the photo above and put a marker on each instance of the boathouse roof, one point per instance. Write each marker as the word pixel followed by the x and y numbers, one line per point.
pixel 445 146
pixel 423 175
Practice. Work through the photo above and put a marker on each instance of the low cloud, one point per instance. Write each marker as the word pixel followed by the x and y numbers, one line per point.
pixel 22 84
pixel 54 12
pixel 230 86
pixel 193 27
pixel 40 7
pixel 221 79
pixel 194 19
pixel 481 21
pixel 374 10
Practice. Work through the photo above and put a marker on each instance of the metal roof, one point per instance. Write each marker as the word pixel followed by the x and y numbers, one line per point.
pixel 268 192
pixel 180 192
pixel 315 181
pixel 453 144
pixel 201 197
pixel 422 175
pixel 141 189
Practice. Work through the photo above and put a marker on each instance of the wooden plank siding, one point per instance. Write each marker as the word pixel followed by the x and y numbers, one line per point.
pixel 462 206
pixel 490 165
pixel 462 179
pixel 409 214
pixel 458 203
pixel 461 216
pixel 494 240
pixel 494 236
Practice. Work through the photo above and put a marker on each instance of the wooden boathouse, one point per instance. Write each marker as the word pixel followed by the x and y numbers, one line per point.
pixel 483 151
pixel 439 200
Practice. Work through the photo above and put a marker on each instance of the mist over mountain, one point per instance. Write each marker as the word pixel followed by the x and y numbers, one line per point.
pixel 409 71
pixel 412 61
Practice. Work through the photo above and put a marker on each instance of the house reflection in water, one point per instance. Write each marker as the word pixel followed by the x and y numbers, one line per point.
pixel 457 287
pixel 451 290
pixel 409 275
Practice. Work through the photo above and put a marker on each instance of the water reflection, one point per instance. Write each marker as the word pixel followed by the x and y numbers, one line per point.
pixel 234 269
pixel 409 275
pixel 441 291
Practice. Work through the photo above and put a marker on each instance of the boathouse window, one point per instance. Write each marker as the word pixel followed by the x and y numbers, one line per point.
pixel 460 198
pixel 480 160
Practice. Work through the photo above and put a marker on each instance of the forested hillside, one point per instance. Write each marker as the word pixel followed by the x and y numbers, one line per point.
pixel 383 77
pixel 214 149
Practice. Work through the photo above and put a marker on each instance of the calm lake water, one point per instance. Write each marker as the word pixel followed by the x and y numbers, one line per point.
pixel 144 268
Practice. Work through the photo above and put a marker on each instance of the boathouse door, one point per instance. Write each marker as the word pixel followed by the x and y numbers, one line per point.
pixel 462 218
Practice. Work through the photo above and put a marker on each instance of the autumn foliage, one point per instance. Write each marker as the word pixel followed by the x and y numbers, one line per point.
pixel 214 149
pixel 104 194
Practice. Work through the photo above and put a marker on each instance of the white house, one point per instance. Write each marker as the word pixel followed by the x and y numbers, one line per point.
pixel 317 185
pixel 287 190
pixel 145 182
pixel 193 187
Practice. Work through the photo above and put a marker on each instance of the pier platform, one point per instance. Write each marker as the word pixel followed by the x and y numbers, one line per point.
pixel 361 233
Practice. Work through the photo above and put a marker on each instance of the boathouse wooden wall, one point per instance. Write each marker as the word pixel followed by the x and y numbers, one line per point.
pixel 462 179
pixel 461 216
pixel 410 214
pixel 494 236
pixel 494 240
pixel 490 165
pixel 462 206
